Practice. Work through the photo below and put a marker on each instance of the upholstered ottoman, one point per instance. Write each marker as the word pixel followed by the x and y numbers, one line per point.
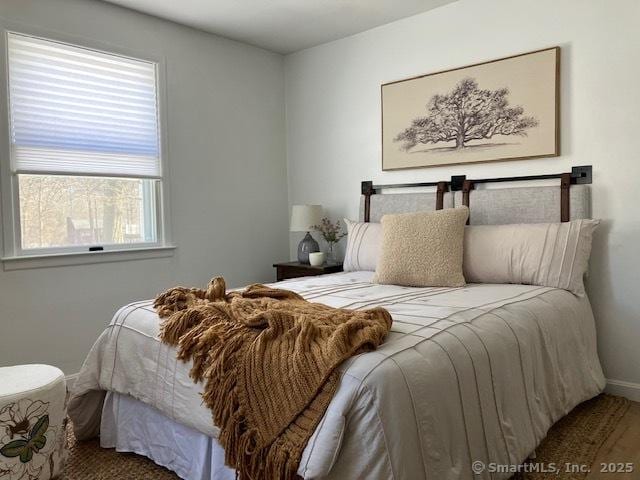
pixel 32 422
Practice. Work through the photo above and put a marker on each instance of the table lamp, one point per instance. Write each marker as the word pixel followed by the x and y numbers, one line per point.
pixel 303 218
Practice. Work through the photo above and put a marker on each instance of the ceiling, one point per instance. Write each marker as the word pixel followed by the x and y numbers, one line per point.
pixel 283 26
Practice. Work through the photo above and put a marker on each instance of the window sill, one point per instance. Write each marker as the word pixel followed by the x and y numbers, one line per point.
pixel 24 262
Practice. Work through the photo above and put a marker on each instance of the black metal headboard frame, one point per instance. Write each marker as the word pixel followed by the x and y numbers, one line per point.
pixel 578 176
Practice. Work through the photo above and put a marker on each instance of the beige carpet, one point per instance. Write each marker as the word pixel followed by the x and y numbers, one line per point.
pixel 574 439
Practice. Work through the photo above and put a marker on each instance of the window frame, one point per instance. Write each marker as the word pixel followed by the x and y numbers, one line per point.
pixel 13 255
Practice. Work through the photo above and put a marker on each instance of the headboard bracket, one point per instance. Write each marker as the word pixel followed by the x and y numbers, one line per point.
pixel 441 189
pixel 565 207
pixel 457 181
pixel 581 175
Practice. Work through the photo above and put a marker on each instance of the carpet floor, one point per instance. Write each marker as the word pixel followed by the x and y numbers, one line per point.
pixel 87 461
pixel 575 439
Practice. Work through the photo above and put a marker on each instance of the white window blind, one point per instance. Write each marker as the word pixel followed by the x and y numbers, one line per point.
pixel 80 111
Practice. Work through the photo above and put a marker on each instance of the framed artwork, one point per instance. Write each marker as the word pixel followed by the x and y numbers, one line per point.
pixel 505 109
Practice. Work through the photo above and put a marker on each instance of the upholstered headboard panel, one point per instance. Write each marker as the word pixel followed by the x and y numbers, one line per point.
pixel 569 200
pixel 496 206
pixel 402 203
pixel 524 205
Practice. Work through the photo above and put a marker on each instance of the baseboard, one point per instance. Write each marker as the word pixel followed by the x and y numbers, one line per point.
pixel 623 389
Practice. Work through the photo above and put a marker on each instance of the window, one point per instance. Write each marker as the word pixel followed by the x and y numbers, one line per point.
pixel 85 160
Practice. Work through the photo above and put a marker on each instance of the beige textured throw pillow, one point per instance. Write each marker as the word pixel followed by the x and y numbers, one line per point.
pixel 547 254
pixel 423 249
pixel 363 246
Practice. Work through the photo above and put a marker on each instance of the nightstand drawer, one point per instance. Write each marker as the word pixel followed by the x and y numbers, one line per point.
pixel 287 270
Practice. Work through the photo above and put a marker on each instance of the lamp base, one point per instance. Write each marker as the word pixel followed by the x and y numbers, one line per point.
pixel 306 246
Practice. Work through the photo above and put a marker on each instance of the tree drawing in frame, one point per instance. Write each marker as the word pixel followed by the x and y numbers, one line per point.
pixel 503 109
pixel 467 113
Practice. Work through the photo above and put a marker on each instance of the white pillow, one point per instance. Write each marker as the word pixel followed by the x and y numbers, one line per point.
pixel 547 254
pixel 363 246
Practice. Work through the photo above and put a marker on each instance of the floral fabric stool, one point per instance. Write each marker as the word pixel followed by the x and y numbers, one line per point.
pixel 32 422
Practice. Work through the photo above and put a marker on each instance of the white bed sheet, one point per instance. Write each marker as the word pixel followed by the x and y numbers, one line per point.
pixel 473 373
pixel 129 425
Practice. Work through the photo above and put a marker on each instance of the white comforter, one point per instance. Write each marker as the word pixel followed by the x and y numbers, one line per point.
pixel 467 374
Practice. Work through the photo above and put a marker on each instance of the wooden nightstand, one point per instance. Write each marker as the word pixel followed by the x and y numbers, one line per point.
pixel 296 269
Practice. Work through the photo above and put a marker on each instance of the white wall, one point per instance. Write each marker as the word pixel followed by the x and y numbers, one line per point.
pixel 333 124
pixel 227 182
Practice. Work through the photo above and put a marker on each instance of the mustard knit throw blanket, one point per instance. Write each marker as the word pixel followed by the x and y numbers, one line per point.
pixel 268 360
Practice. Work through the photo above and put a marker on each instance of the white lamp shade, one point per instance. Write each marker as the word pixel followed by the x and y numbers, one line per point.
pixel 303 217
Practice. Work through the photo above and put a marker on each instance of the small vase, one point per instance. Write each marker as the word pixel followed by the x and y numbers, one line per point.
pixel 331 255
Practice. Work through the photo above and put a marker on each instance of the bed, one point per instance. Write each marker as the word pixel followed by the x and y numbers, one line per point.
pixel 471 374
